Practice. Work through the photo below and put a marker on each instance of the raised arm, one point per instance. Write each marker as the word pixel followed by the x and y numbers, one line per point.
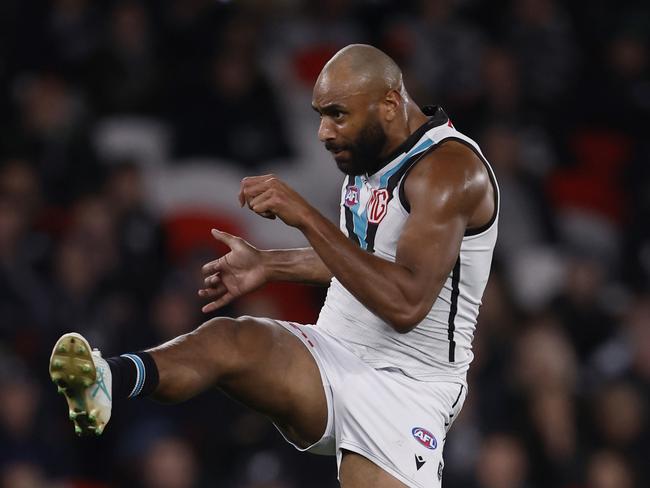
pixel 447 191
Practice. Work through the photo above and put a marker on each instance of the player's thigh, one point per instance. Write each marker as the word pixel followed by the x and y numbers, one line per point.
pixel 359 472
pixel 279 378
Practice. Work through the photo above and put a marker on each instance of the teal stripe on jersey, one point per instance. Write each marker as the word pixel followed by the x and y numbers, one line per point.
pixel 359 216
pixel 383 181
pixel 424 145
pixel 360 220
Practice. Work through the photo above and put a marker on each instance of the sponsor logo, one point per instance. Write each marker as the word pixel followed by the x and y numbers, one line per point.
pixel 351 196
pixel 378 205
pixel 419 462
pixel 424 437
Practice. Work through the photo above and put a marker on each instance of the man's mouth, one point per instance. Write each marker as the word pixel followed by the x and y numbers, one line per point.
pixel 336 151
pixel 333 148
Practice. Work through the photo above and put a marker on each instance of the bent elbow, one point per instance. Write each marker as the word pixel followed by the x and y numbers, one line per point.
pixel 407 320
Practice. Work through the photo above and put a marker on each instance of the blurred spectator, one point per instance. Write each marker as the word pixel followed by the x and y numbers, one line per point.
pixel 627 352
pixel 264 470
pixel 541 36
pixel 122 74
pixel 24 433
pixel 303 36
pixel 20 405
pixel 19 182
pixel 439 52
pixel 74 32
pixel 545 358
pixel 174 313
pixel 140 236
pixel 620 423
pixel 25 297
pixel 51 131
pixel 24 474
pixel 557 457
pixel 582 307
pixel 523 206
pixel 170 463
pixel 608 470
pixel 619 80
pixel 232 114
pixel 502 463
pixel 500 98
pixel 85 276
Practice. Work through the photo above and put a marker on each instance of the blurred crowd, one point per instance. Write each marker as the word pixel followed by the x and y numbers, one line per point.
pixel 125 127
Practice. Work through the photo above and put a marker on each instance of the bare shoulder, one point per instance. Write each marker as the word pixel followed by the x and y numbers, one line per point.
pixel 451 174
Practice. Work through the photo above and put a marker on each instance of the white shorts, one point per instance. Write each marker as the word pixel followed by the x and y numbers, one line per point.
pixel 397 422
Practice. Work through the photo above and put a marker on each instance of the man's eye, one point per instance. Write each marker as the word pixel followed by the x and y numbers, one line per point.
pixel 337 115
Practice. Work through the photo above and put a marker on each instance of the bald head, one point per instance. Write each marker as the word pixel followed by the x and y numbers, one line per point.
pixel 365 112
pixel 361 67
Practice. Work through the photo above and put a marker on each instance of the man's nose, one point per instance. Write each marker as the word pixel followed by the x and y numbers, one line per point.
pixel 325 130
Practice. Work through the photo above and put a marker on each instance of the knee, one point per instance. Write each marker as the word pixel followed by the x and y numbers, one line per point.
pixel 214 331
pixel 215 353
pixel 231 344
pixel 225 332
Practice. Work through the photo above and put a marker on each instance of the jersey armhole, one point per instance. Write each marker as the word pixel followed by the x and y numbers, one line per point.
pixel 468 232
pixel 400 191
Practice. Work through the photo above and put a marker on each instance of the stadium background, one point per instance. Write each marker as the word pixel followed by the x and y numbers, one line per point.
pixel 125 127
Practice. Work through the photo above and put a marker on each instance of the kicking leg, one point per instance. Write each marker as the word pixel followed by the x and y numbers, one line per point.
pixel 256 362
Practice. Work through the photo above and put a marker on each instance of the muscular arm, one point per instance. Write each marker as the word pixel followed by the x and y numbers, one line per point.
pixel 298 265
pixel 444 191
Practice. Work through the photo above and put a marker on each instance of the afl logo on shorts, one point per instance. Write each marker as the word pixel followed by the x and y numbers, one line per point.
pixel 424 437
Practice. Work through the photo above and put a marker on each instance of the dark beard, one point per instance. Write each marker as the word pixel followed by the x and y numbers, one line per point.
pixel 364 151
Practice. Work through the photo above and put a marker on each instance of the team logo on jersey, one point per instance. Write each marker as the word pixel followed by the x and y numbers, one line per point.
pixel 378 205
pixel 424 437
pixel 351 196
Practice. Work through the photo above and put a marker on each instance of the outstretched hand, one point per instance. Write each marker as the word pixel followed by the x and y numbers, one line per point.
pixel 236 273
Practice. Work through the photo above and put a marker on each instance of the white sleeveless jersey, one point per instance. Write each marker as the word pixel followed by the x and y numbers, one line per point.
pixel 373 212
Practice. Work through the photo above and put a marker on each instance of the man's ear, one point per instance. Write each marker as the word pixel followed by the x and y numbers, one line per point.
pixel 391 105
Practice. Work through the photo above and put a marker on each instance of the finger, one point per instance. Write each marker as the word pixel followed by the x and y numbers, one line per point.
pixel 228 239
pixel 216 304
pixel 252 187
pixel 213 292
pixel 241 197
pixel 212 280
pixel 261 204
pixel 211 268
pixel 255 206
pixel 254 179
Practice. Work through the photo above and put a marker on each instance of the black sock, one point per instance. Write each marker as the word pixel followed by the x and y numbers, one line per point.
pixel 133 375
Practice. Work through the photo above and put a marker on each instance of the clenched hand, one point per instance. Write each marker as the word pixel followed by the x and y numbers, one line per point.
pixel 270 197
